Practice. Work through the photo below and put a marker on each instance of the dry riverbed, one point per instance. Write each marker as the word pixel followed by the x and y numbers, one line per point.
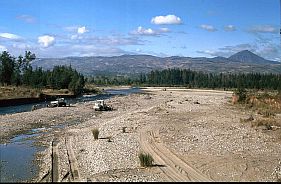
pixel 193 135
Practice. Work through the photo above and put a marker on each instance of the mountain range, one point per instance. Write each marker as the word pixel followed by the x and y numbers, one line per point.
pixel 243 61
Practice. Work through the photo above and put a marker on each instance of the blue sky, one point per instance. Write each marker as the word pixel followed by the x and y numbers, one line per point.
pixel 195 28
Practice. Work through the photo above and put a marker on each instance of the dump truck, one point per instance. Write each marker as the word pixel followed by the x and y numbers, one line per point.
pixel 101 106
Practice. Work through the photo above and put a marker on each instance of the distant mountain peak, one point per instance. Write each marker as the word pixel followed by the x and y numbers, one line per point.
pixel 247 56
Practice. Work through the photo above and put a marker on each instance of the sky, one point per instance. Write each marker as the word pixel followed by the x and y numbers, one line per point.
pixel 191 28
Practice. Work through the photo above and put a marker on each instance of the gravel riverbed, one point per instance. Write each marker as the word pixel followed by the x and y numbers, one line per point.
pixel 201 127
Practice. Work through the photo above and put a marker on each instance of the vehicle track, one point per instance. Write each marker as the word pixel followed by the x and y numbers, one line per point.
pixel 173 167
pixel 53 173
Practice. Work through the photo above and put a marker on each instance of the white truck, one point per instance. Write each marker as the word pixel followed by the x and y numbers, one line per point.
pixel 59 102
pixel 101 106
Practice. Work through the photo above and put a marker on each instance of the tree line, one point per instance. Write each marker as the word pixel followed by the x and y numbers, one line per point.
pixel 198 79
pixel 195 79
pixel 19 72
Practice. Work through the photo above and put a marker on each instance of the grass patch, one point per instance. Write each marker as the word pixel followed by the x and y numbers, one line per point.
pixel 10 92
pixel 96 133
pixel 146 160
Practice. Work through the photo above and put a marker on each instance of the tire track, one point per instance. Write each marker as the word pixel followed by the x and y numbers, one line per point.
pixel 174 168
pixel 75 176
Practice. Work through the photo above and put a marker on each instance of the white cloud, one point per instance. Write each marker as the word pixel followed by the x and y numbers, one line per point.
pixel 208 52
pixel 229 50
pixel 209 28
pixel 2 48
pixel 79 50
pixel 143 31
pixel 229 28
pixel 76 37
pixel 165 30
pixel 10 36
pixel 22 46
pixel 149 32
pixel 264 29
pixel 168 19
pixel 109 40
pixel 27 18
pixel 46 40
pixel 71 28
pixel 271 52
pixel 82 30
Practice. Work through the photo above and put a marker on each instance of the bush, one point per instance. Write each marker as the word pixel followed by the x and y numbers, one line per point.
pixel 242 94
pixel 146 159
pixel 267 123
pixel 95 133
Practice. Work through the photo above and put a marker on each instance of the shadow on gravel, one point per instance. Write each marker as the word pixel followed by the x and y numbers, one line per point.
pixel 158 165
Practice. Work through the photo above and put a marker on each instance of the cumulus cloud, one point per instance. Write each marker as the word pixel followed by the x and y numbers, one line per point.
pixel 143 31
pixel 46 40
pixel 27 18
pixel 149 32
pixel 229 28
pixel 82 30
pixel 168 19
pixel 10 36
pixel 2 48
pixel 264 29
pixel 209 28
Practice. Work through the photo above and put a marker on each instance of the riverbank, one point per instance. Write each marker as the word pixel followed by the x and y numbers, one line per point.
pixel 12 95
pixel 195 135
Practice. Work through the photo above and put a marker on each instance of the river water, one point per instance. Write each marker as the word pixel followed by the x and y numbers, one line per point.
pixel 17 157
pixel 108 93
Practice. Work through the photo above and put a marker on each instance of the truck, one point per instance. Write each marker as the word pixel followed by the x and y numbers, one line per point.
pixel 59 102
pixel 101 106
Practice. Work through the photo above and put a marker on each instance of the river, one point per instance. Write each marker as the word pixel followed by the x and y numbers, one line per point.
pixel 17 157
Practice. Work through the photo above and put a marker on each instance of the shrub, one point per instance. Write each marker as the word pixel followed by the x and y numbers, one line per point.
pixel 242 94
pixel 95 133
pixel 146 159
pixel 267 123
